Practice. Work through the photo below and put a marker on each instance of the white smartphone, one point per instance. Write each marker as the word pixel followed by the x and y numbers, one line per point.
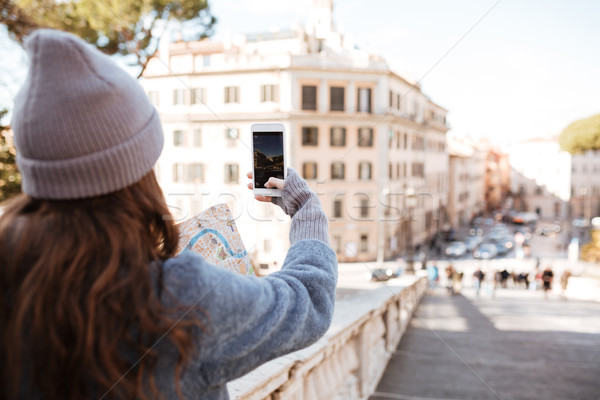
pixel 269 160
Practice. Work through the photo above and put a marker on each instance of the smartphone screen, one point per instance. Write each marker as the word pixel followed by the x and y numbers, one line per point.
pixel 268 157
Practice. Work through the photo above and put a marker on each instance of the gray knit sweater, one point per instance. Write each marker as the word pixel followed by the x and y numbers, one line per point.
pixel 253 320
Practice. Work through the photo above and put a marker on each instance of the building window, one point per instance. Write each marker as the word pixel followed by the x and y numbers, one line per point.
pixel 309 170
pixel 364 171
pixel 178 96
pixel 154 96
pixel 206 61
pixel 337 208
pixel 197 95
pixel 231 136
pixel 391 99
pixel 194 173
pixel 364 100
pixel 232 173
pixel 364 206
pixel 178 172
pixel 310 136
pixel 539 191
pixel 336 98
pixel 390 170
pixel 363 246
pixel 268 93
pixel 418 169
pixel 309 98
pixel 365 137
pixel 338 136
pixel 337 170
pixel 337 243
pixel 197 138
pixel 232 94
pixel 178 138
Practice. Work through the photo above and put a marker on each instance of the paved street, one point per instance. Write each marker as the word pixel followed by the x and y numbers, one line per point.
pixel 514 346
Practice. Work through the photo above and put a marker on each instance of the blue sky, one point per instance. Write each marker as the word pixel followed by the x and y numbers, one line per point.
pixel 529 68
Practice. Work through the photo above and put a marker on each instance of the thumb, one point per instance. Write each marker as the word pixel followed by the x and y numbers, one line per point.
pixel 275 183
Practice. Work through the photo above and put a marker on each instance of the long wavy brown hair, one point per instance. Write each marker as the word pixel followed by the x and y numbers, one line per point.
pixel 79 295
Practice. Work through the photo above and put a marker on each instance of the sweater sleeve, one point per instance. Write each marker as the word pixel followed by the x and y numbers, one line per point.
pixel 303 205
pixel 252 320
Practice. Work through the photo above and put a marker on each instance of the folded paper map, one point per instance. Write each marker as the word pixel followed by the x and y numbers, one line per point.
pixel 214 235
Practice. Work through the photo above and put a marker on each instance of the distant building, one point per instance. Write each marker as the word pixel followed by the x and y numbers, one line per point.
pixel 497 179
pixel 359 133
pixel 585 185
pixel 467 182
pixel 541 177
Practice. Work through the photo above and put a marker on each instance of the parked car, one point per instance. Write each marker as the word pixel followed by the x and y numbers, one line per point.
pixel 472 242
pixel 456 249
pixel 543 231
pixel 498 232
pixel 525 218
pixel 486 251
pixel 501 247
pixel 477 221
pixel 419 259
pixel 581 222
pixel 382 274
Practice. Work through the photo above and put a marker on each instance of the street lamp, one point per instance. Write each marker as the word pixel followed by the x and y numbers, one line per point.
pixel 410 201
pixel 381 227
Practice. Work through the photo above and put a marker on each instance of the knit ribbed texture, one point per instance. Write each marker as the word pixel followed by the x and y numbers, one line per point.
pixel 303 205
pixel 83 126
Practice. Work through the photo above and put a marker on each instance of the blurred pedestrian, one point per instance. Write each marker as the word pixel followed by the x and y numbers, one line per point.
pixel 457 278
pixel 523 278
pixel 504 278
pixel 478 276
pixel 497 280
pixel 537 279
pixel 564 281
pixel 449 283
pixel 433 276
pixel 547 277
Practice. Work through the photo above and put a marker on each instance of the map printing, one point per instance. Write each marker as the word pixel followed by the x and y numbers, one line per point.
pixel 214 235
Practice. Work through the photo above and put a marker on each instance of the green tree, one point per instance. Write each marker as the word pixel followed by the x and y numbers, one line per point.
pixel 10 179
pixel 581 136
pixel 126 27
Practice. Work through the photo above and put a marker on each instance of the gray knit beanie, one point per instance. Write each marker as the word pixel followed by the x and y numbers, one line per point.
pixel 83 126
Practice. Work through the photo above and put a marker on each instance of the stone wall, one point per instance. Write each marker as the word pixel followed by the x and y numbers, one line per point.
pixel 347 363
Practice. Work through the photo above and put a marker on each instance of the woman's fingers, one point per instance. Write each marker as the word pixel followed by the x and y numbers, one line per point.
pixel 275 183
pixel 264 199
pixel 271 183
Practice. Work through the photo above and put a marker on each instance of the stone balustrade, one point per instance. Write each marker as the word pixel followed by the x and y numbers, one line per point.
pixel 347 363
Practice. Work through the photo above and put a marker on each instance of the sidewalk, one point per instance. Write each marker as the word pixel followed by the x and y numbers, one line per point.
pixel 516 346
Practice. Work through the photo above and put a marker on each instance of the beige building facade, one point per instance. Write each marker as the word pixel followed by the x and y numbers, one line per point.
pixel 466 197
pixel 585 185
pixel 359 133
